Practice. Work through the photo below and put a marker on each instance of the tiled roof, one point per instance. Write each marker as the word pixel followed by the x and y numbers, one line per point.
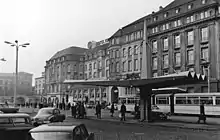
pixel 70 50
pixel 100 47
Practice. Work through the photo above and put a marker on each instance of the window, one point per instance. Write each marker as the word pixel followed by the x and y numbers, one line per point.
pixel 94 75
pixel 190 38
pixel 129 51
pixel 177 10
pixel 177 41
pixel 202 16
pixel 205 54
pixel 154 46
pixel 68 68
pixel 117 54
pixel 189 19
pixel 155 30
pixel 167 26
pixel 177 59
pixel 124 52
pixel 138 34
pixel 165 44
pixel 117 67
pixel 155 19
pixel 135 49
pixel 204 34
pixel 164 27
pixel 94 65
pixel 190 56
pixel 154 63
pixel 136 64
pixel 165 61
pixel 132 36
pixel 117 40
pixel 129 65
pixel 124 66
pixel 190 6
pixel 107 73
pixel 165 15
pixel 203 1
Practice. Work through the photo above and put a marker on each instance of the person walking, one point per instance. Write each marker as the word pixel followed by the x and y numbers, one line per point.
pixel 112 110
pixel 98 110
pixel 136 110
pixel 73 110
pixel 202 113
pixel 123 111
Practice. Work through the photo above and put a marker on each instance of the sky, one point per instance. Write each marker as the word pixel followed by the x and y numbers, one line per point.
pixel 52 25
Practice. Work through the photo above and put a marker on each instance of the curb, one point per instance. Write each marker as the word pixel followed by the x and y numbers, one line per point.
pixel 200 128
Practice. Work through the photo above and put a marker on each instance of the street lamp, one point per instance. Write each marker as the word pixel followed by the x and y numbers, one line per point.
pixel 208 68
pixel 16 67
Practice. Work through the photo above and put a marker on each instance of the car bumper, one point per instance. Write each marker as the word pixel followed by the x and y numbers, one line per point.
pixel 41 122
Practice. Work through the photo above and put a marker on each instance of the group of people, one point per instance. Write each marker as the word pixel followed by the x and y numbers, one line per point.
pixel 78 110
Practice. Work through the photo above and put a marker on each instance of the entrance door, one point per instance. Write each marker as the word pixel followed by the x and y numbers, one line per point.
pixel 114 94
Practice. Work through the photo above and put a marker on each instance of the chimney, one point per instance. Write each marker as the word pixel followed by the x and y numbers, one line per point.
pixel 161 7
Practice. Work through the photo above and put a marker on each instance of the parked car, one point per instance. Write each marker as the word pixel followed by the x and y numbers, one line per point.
pixel 8 108
pixel 15 126
pixel 48 115
pixel 61 131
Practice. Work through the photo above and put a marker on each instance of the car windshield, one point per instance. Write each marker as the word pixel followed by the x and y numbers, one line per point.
pixel 46 111
pixel 18 120
pixel 52 136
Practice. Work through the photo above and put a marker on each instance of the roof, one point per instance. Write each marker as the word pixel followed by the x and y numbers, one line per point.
pixel 175 3
pixel 11 115
pixel 71 50
pixel 56 127
pixel 158 82
pixel 168 90
pixel 116 34
pixel 100 47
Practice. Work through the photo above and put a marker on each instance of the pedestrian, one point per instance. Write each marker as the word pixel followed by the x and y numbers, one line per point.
pixel 202 113
pixel 73 110
pixel 98 110
pixel 136 110
pixel 123 111
pixel 112 110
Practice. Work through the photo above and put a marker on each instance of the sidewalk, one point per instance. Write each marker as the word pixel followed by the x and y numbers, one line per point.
pixel 183 122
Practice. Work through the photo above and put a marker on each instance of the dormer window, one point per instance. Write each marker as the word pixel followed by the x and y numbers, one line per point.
pixel 190 6
pixel 165 15
pixel 155 19
pixel 203 1
pixel 177 10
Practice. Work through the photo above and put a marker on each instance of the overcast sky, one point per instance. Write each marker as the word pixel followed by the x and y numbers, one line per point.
pixel 52 25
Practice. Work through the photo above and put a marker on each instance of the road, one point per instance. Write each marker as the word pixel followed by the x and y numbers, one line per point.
pixel 109 130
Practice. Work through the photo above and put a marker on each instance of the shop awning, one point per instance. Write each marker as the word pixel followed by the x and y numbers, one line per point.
pixel 170 80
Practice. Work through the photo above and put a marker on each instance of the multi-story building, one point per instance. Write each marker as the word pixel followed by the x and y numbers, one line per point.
pixel 65 64
pixel 24 85
pixel 126 47
pixel 184 36
pixel 96 67
pixel 39 85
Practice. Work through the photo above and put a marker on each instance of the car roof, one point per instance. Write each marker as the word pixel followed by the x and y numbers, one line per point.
pixel 13 115
pixel 47 108
pixel 55 127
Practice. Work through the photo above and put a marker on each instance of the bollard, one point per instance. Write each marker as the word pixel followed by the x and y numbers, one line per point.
pixel 98 136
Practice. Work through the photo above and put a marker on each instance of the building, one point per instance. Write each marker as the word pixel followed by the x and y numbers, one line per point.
pixel 39 85
pixel 184 36
pixel 96 67
pixel 65 64
pixel 24 85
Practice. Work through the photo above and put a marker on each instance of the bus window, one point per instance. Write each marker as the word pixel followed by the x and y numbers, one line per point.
pixel 193 100
pixel 217 100
pixel 180 100
pixel 162 100
pixel 206 100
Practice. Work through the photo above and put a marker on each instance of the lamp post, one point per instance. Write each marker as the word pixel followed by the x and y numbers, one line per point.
pixel 208 68
pixel 16 67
